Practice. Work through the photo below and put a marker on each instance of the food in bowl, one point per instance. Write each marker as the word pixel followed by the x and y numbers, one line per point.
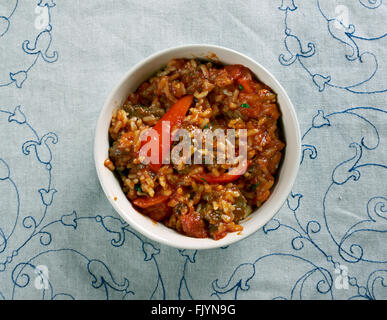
pixel 207 199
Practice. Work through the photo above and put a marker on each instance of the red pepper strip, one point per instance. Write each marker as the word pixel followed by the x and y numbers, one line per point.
pixel 147 202
pixel 175 116
pixel 230 176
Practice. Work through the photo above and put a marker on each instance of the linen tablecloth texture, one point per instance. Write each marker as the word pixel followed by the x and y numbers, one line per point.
pixel 60 237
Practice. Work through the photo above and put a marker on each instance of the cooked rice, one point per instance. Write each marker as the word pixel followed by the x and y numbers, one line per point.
pixel 198 208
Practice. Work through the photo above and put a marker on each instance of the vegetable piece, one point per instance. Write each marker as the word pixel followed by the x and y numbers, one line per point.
pixel 242 75
pixel 237 71
pixel 137 187
pixel 175 115
pixel 194 226
pixel 230 176
pixel 253 187
pixel 246 85
pixel 147 202
pixel 159 212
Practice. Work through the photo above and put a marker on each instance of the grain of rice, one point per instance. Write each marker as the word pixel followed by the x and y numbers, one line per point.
pixel 217 105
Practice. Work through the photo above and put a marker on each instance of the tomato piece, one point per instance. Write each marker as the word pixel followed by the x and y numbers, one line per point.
pixel 237 71
pixel 175 115
pixel 146 202
pixel 255 102
pixel 230 176
pixel 159 212
pixel 194 226
pixel 252 112
pixel 242 75
pixel 246 84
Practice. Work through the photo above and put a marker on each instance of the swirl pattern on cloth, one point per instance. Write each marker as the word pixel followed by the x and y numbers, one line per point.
pixel 325 243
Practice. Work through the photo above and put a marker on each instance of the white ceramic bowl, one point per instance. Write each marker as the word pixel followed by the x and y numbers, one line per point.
pixel 158 231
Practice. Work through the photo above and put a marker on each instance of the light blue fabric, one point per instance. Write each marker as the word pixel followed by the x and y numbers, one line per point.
pixel 59 236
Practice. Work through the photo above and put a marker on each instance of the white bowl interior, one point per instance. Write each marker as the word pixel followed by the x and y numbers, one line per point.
pixel 157 231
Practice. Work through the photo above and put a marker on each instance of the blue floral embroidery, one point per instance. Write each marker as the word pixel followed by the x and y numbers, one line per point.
pixel 40 47
pixel 305 248
pixel 343 35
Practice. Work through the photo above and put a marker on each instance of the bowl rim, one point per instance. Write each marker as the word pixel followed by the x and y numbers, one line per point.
pixel 194 243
